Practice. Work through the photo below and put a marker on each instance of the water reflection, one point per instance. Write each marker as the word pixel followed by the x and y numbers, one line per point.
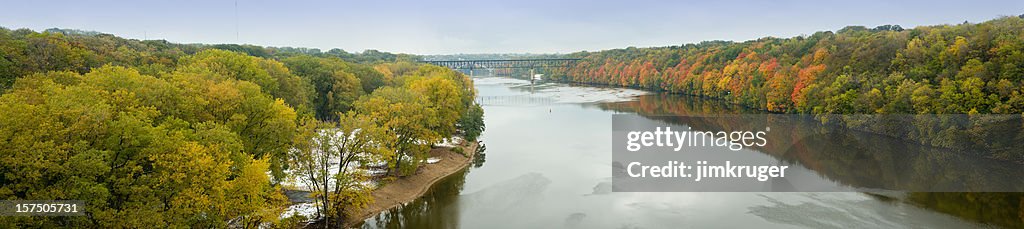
pixel 480 156
pixel 436 209
pixel 548 167
pixel 858 159
pixel 868 160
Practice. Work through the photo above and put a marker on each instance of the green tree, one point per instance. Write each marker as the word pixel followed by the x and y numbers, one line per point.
pixel 472 122
pixel 404 114
pixel 271 76
pixel 334 88
pixel 110 139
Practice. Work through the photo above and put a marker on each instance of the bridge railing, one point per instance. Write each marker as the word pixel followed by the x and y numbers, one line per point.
pixel 513 100
pixel 517 63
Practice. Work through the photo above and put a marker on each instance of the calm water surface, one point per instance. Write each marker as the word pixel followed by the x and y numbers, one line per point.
pixel 547 165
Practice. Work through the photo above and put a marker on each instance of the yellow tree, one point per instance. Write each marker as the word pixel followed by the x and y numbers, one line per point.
pixel 327 163
pixel 403 114
pixel 444 98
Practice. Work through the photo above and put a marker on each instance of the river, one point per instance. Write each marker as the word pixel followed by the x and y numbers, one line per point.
pixel 547 165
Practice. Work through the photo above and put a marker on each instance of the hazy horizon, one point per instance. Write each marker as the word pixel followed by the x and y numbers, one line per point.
pixel 484 27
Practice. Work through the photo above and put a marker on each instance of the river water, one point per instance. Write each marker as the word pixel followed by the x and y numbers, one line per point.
pixel 547 165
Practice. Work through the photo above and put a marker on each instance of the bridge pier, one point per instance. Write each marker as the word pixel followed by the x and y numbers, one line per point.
pixel 531 76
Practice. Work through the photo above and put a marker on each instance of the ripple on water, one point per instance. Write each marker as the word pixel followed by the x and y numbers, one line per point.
pixel 831 211
pixel 523 191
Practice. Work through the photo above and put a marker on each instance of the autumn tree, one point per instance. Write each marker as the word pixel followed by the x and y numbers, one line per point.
pixel 111 139
pixel 404 114
pixel 334 87
pixel 327 163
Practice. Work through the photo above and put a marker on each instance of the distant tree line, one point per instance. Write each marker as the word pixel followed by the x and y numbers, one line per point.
pixel 946 69
pixel 24 51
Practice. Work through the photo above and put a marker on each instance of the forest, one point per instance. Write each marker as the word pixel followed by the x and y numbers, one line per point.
pixel 969 68
pixel 157 134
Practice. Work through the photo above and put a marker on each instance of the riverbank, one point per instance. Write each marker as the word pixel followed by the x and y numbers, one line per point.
pixel 409 188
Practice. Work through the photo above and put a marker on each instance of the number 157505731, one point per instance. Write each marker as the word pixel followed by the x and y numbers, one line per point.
pixel 41 207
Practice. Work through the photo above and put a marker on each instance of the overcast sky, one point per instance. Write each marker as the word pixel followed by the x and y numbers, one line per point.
pixel 449 27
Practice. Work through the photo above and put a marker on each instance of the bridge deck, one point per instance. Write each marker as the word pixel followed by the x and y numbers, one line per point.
pixel 510 63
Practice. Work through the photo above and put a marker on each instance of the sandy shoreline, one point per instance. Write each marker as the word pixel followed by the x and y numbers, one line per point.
pixel 409 188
